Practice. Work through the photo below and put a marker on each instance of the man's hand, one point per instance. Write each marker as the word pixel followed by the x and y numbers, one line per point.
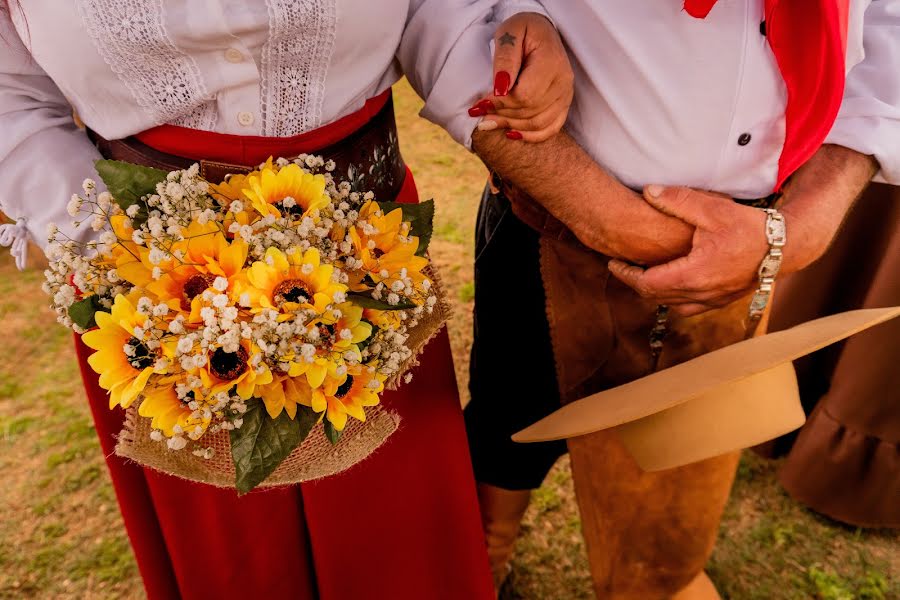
pixel 729 243
pixel 533 81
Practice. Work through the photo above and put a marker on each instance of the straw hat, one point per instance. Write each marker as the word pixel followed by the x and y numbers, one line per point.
pixel 732 398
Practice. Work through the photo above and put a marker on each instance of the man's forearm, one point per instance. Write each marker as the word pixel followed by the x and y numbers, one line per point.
pixel 603 213
pixel 817 199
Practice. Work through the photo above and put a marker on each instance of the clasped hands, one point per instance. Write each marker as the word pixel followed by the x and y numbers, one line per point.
pixel 696 252
pixel 723 244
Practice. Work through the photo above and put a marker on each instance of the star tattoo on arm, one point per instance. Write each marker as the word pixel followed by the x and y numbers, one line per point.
pixel 507 40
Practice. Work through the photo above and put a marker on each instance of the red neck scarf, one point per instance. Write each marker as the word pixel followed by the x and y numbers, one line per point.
pixel 809 41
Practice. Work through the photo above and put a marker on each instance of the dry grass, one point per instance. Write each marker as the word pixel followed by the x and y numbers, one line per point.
pixel 61 535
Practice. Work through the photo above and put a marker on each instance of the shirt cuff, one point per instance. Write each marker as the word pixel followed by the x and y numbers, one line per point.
pixel 509 8
pixel 465 78
pixel 874 136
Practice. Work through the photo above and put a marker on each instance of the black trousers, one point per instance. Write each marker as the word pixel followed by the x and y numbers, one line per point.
pixel 512 378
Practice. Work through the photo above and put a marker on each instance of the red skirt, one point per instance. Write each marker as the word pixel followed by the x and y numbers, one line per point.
pixel 403 524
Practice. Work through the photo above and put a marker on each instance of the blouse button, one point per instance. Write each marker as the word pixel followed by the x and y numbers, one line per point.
pixel 245 118
pixel 744 139
pixel 233 55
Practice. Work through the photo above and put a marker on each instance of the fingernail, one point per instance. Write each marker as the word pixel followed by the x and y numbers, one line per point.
pixel 501 83
pixel 487 126
pixel 477 111
pixel 487 105
pixel 655 190
pixel 514 135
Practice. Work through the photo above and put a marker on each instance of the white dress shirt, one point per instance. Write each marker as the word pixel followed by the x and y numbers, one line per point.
pixel 663 97
pixel 246 67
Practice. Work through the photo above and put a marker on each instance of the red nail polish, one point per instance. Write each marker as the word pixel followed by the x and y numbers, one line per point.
pixel 486 105
pixel 477 112
pixel 514 135
pixel 502 82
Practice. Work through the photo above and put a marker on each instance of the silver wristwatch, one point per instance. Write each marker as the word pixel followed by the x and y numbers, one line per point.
pixel 776 235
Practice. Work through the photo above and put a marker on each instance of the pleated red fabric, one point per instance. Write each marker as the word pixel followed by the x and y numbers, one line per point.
pixel 403 524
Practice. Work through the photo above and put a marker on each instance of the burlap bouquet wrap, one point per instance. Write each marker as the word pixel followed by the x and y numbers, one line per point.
pixel 314 458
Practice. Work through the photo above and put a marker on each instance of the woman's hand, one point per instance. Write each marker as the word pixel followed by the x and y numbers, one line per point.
pixel 533 81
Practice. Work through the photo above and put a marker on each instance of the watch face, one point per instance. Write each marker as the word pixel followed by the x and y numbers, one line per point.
pixel 775 231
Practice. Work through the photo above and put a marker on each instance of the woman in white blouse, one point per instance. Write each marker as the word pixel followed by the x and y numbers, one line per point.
pixel 243 79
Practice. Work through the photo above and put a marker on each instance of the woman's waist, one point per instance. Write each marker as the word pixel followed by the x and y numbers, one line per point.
pixel 362 145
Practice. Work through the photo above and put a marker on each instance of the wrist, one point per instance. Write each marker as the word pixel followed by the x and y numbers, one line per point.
pixel 597 223
pixel 806 243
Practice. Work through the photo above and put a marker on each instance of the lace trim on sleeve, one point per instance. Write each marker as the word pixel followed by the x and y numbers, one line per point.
pixel 131 37
pixel 295 63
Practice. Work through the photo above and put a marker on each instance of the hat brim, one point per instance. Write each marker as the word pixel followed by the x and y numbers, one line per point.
pixel 725 384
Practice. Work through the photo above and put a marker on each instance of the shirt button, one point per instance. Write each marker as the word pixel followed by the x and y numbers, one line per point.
pixel 245 118
pixel 744 139
pixel 233 55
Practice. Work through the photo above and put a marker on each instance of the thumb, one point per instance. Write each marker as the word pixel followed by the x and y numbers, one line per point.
pixel 508 52
pixel 682 203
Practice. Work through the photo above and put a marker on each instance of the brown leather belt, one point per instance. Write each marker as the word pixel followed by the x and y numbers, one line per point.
pixel 369 158
pixel 532 213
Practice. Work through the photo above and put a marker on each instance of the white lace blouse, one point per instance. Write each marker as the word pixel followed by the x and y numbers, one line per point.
pixel 245 67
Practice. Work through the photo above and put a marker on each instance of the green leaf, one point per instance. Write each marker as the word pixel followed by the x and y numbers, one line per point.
pixel 82 312
pixel 366 301
pixel 129 183
pixel 420 216
pixel 331 433
pixel 262 443
pixel 307 418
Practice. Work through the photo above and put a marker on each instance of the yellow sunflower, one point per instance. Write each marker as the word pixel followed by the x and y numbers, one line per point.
pixel 290 282
pixel 232 189
pixel 389 251
pixel 268 190
pixel 207 255
pixel 225 371
pixel 285 393
pixel 123 375
pixel 345 396
pixel 315 370
pixel 126 255
pixel 234 185
pixel 162 405
pixel 383 319
pixel 347 331
pixel 337 336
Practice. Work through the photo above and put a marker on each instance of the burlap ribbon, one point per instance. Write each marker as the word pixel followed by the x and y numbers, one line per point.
pixel 648 534
pixel 315 458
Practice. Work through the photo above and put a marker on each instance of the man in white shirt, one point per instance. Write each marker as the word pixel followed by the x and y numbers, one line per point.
pixel 740 98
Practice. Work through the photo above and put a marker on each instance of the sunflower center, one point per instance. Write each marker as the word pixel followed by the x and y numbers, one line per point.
pixel 345 388
pixel 195 286
pixel 292 208
pixel 228 365
pixel 327 330
pixel 292 290
pixel 143 356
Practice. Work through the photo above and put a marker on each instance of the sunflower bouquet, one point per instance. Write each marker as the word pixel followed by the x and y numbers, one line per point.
pixel 243 322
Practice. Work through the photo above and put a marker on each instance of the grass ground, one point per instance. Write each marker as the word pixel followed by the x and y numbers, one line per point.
pixel 61 535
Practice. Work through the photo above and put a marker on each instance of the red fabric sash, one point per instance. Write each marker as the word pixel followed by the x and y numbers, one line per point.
pixel 809 41
pixel 250 150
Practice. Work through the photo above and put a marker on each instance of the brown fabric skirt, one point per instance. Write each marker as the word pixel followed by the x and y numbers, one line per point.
pixel 845 463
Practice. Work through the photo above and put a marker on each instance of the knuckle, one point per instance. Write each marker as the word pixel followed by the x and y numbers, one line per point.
pixel 681 195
